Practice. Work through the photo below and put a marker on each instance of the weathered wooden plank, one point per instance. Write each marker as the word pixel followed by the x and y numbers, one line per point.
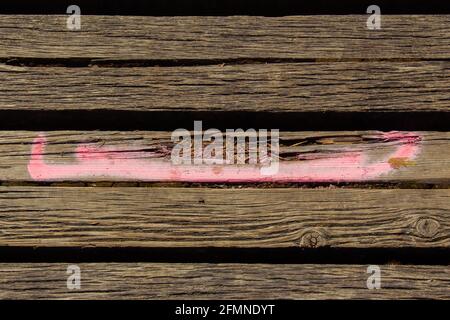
pixel 235 37
pixel 202 217
pixel 275 87
pixel 221 281
pixel 356 156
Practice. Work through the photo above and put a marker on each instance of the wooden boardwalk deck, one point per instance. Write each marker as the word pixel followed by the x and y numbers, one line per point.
pixel 115 189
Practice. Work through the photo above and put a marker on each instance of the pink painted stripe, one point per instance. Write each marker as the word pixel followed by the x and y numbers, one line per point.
pixel 105 163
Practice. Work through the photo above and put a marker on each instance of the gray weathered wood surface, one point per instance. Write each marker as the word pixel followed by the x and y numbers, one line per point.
pixel 222 281
pixel 275 87
pixel 236 37
pixel 432 164
pixel 242 217
pixel 219 64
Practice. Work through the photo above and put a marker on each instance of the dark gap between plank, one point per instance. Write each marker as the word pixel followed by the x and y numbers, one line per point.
pixel 223 7
pixel 373 185
pixel 75 62
pixel 410 256
pixel 128 120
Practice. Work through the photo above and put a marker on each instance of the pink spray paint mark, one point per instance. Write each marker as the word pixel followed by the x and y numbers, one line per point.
pixel 112 163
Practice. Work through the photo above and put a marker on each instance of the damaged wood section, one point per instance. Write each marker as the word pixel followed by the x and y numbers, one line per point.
pixel 273 87
pixel 221 281
pixel 200 39
pixel 94 156
pixel 242 217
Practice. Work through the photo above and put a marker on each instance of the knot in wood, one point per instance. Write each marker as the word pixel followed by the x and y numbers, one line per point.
pixel 427 227
pixel 313 239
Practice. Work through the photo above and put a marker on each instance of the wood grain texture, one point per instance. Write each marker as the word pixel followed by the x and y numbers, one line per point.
pixel 222 281
pixel 275 87
pixel 236 37
pixel 202 217
pixel 430 166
